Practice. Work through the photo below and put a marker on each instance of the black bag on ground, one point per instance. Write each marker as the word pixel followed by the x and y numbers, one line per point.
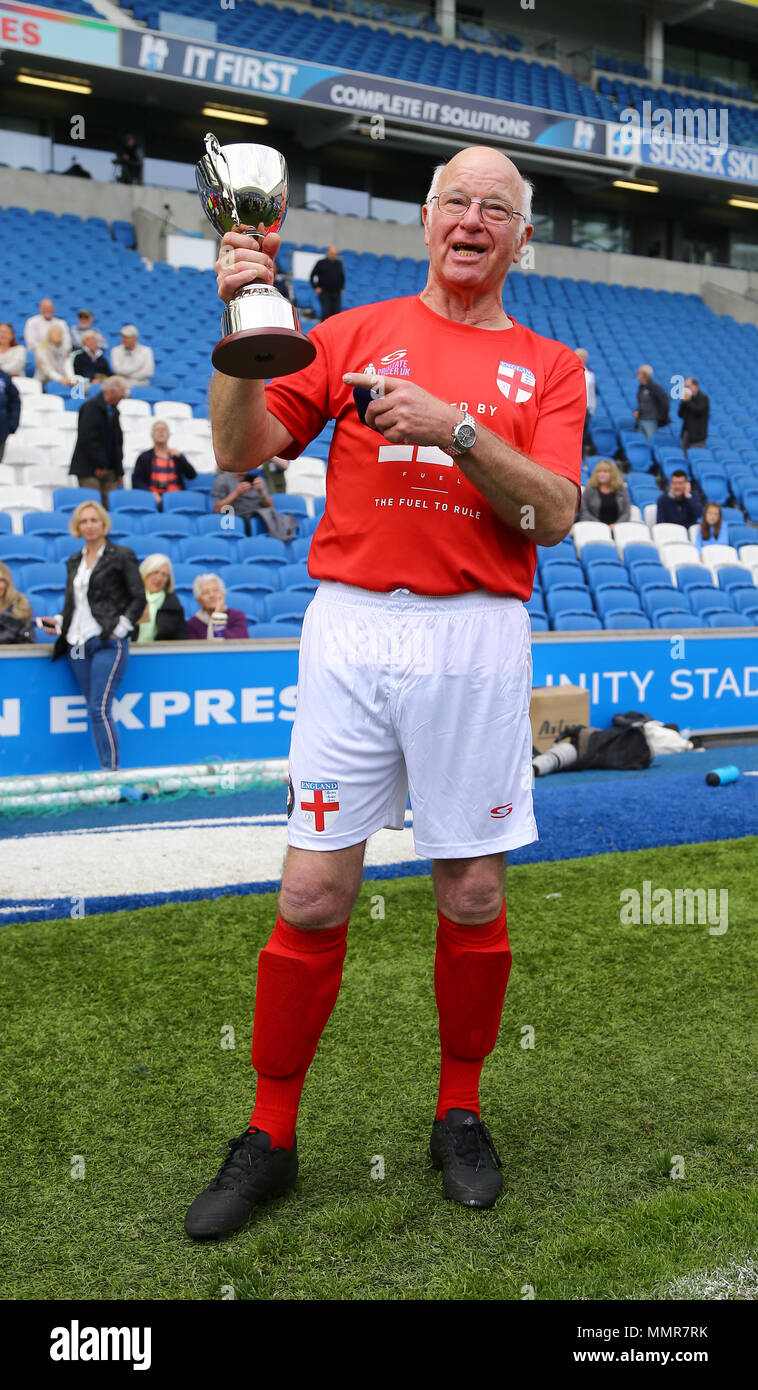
pixel 624 750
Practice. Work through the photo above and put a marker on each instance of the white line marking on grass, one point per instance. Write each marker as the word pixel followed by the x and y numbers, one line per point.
pixel 732 1281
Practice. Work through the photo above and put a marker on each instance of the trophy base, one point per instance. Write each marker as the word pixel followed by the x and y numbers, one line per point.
pixel 259 353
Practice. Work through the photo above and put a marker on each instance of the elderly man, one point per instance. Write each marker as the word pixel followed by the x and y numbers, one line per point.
pixel 652 403
pixel 133 360
pixel 38 326
pixel 415 665
pixel 328 280
pixel 97 460
pixel 89 362
pixel 85 323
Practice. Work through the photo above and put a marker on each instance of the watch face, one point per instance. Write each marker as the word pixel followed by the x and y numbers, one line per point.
pixel 465 435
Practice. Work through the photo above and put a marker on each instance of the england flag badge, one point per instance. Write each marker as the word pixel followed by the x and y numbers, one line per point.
pixel 516 383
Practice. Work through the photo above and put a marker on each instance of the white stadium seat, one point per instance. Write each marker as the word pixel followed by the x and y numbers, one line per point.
pixel 715 555
pixel 749 555
pixel 197 426
pixel 129 409
pixel 635 514
pixel 17 501
pixel 18 450
pixel 49 405
pixel 7 475
pixel 668 533
pixel 651 514
pixel 630 533
pixel 584 532
pixel 172 410
pixel 27 386
pixel 672 556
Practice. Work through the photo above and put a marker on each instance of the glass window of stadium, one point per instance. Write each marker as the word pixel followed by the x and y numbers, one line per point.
pixel 598 231
pixel 743 252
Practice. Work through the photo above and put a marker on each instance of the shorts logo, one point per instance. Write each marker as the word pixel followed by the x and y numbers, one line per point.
pixel 290 797
pixel 319 800
pixel 500 812
pixel 516 383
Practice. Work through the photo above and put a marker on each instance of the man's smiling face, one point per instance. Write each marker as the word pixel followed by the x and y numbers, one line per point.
pixel 469 253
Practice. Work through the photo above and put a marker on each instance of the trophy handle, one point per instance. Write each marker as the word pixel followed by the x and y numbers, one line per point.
pixel 214 154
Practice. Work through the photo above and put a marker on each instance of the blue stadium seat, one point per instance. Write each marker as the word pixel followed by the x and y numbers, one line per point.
pixel 66 499
pixel 568 601
pixel 206 550
pixel 538 622
pixel 658 599
pixel 677 619
pixel 746 602
pixel 264 550
pixel 277 607
pixel 177 525
pixel 561 572
pixel 624 619
pixel 255 579
pixel 576 622
pixel 279 630
pixel 733 577
pixel 729 620
pixel 296 577
pixel 185 502
pixel 16 550
pixel 124 499
pixel 707 601
pixel 616 598
pixel 290 503
pixel 223 524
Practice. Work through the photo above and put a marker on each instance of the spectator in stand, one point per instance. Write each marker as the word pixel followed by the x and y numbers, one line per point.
pixel 15 612
pixel 130 161
pixel 98 456
pixel 161 469
pixel 213 619
pixel 652 403
pixel 104 599
pixel 281 282
pixel 163 619
pixel 246 494
pixel 678 506
pixel 89 362
pixel 274 470
pixel 713 529
pixel 328 280
pixel 694 411
pixel 132 360
pixel 53 358
pixel 10 409
pixel 589 381
pixel 38 325
pixel 12 354
pixel 606 497
pixel 85 323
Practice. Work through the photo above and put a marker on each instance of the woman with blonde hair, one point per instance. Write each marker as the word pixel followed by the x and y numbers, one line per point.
pixel 163 619
pixel 15 611
pixel 606 497
pixel 52 358
pixel 104 599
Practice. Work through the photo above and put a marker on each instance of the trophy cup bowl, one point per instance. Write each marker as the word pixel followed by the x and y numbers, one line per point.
pixel 243 188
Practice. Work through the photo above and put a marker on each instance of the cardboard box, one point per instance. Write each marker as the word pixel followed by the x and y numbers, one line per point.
pixel 555 708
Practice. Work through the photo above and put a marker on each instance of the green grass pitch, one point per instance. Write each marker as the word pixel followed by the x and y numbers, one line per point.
pixel 643 1056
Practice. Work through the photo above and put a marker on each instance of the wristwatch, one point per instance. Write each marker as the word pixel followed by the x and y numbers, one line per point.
pixel 464 436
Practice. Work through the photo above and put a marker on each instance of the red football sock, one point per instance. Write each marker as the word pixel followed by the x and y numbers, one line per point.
pixel 470 975
pixel 299 976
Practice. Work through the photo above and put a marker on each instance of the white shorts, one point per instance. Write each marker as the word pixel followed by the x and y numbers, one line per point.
pixel 401 692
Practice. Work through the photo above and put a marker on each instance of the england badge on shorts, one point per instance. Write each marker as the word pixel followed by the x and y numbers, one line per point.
pixel 320 804
pixel 516 383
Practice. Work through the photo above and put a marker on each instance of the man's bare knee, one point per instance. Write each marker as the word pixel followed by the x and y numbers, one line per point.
pixel 470 891
pixel 319 887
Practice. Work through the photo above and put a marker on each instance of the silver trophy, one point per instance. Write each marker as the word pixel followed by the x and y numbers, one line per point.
pixel 243 188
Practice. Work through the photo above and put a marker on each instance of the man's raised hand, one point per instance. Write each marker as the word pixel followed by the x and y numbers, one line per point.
pixel 243 260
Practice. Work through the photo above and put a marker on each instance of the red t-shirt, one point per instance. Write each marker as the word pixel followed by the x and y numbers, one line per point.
pixel 405 516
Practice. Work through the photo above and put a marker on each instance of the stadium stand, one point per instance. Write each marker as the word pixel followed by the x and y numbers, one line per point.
pixel 455 65
pixel 641 573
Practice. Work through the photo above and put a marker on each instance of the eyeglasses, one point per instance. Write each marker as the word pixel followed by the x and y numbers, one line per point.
pixel 455 204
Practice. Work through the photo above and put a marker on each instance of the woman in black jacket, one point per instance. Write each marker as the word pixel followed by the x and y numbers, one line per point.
pixel 105 598
pixel 163 619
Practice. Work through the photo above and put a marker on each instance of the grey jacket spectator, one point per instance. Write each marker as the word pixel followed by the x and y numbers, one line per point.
pixel 605 497
pixel 99 441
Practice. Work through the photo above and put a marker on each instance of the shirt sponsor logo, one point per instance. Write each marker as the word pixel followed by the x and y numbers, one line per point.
pixel 516 383
pixel 500 812
pixel 319 804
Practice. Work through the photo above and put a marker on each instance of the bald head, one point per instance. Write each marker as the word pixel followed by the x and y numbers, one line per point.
pixel 331 253
pixel 487 161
